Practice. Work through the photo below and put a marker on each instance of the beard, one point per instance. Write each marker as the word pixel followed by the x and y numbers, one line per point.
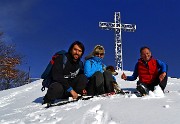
pixel 76 56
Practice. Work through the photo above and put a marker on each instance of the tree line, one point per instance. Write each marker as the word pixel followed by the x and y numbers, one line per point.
pixel 10 60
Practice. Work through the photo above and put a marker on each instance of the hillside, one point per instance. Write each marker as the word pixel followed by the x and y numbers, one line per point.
pixel 22 105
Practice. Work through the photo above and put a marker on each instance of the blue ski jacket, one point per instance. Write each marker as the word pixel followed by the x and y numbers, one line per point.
pixel 92 65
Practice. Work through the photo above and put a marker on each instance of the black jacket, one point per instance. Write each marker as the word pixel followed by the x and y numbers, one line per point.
pixel 68 73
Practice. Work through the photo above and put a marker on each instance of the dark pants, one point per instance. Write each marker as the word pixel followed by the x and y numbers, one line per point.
pixel 151 86
pixel 57 91
pixel 100 83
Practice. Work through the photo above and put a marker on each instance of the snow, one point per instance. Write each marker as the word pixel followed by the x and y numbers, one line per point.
pixel 22 105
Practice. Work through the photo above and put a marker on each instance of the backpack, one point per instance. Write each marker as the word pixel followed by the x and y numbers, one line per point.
pixel 46 75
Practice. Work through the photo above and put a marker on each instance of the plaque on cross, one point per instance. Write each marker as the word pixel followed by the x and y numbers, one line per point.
pixel 118 27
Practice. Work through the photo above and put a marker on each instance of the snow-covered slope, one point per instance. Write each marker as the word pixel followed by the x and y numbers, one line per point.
pixel 22 105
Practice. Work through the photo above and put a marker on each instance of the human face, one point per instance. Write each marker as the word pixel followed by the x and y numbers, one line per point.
pixel 99 54
pixel 76 52
pixel 146 54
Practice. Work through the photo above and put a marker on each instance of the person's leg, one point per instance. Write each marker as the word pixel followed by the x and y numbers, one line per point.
pixel 54 92
pixel 108 82
pixel 162 84
pixel 91 87
pixel 79 83
pixel 96 84
pixel 142 88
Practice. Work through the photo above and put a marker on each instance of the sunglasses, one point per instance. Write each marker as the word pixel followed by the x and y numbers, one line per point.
pixel 99 54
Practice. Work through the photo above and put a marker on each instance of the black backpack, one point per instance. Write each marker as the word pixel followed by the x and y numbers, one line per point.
pixel 46 75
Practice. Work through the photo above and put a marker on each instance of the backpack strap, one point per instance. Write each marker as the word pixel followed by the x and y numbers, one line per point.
pixel 64 60
pixel 63 53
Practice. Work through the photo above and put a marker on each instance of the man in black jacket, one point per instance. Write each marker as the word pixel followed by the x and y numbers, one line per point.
pixel 69 80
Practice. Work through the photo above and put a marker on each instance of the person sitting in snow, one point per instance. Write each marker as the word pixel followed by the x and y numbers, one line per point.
pixel 151 72
pixel 70 80
pixel 100 80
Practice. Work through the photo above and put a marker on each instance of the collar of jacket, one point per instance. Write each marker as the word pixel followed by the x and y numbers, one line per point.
pixel 98 59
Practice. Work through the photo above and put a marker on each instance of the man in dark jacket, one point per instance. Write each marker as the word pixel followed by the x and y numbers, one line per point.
pixel 151 72
pixel 69 80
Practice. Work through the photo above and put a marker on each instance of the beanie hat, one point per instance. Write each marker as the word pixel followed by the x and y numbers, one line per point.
pixel 98 49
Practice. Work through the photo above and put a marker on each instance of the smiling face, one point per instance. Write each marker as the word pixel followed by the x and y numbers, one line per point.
pixel 99 54
pixel 99 51
pixel 76 52
pixel 146 54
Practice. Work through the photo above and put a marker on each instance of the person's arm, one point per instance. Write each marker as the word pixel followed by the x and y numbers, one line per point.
pixel 162 66
pixel 163 70
pixel 88 70
pixel 134 75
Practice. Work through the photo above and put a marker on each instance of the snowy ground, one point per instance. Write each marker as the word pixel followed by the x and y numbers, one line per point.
pixel 22 105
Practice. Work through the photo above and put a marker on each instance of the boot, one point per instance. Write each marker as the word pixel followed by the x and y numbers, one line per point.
pixel 142 89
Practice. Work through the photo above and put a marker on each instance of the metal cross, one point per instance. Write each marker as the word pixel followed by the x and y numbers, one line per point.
pixel 118 27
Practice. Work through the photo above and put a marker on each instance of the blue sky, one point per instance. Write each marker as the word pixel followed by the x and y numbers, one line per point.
pixel 39 28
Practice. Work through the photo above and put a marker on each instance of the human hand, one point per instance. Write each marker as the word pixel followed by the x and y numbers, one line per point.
pixel 162 76
pixel 74 94
pixel 123 76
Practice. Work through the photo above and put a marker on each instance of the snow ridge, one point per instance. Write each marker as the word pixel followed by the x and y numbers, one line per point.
pixel 22 105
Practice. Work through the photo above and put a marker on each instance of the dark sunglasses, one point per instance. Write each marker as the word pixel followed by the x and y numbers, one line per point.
pixel 97 54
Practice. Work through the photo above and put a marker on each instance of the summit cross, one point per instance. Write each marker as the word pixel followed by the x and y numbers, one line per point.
pixel 118 27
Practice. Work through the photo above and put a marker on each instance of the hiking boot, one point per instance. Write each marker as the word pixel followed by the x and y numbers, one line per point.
pixel 45 100
pixel 142 89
